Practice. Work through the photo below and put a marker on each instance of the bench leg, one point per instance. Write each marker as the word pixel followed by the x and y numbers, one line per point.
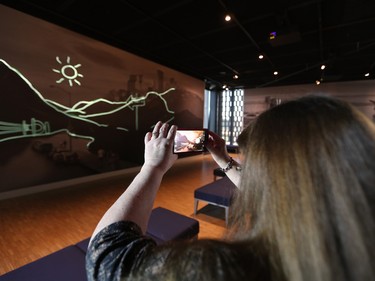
pixel 226 215
pixel 195 206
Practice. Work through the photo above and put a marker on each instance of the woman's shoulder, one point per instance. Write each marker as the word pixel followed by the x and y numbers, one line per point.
pixel 208 259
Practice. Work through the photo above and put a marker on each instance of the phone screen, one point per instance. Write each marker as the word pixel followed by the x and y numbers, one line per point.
pixel 189 140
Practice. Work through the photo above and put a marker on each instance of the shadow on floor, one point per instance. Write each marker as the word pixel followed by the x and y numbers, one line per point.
pixel 212 211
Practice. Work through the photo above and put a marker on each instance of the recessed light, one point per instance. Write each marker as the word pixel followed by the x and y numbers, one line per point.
pixel 228 18
pixel 367 74
pixel 322 67
pixel 275 73
pixel 235 76
pixel 261 57
pixel 317 82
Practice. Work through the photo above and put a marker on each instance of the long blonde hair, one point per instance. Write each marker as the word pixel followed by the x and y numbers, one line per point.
pixel 308 189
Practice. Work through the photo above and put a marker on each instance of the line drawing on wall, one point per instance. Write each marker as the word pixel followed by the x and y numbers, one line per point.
pixel 37 128
pixel 68 72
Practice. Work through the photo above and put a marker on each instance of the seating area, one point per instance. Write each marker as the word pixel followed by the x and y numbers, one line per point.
pixel 68 264
pixel 164 225
pixel 65 264
pixel 218 193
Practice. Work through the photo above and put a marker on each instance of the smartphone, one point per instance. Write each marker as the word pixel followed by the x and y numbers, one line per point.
pixel 190 140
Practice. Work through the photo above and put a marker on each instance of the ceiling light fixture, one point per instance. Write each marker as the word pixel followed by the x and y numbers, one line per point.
pixel 228 18
pixel 323 67
pixel 235 76
pixel 261 57
pixel 317 82
pixel 367 74
pixel 275 73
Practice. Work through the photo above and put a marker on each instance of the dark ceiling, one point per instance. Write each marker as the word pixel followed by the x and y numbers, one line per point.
pixel 192 36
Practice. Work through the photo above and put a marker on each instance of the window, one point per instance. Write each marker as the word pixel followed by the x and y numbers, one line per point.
pixel 231 108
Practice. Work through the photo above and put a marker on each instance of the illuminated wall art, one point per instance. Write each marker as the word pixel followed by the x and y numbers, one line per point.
pixel 69 72
pixel 79 111
pixel 71 106
pixel 33 129
pixel 58 131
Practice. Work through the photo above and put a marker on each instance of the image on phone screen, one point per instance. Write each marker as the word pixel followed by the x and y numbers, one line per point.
pixel 189 140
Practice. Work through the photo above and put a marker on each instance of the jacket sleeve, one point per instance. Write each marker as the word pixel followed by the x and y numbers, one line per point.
pixel 116 251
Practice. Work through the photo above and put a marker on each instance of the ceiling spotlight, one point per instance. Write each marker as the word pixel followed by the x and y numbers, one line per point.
pixel 224 86
pixel 235 76
pixel 275 73
pixel 367 74
pixel 322 67
pixel 261 57
pixel 317 82
pixel 228 18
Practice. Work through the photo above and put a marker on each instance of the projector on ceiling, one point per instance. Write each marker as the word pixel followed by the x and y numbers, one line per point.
pixel 284 36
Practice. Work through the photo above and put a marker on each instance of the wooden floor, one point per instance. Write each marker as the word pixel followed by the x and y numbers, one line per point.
pixel 36 225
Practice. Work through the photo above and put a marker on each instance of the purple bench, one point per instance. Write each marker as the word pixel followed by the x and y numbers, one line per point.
pixel 179 227
pixel 68 264
pixel 63 265
pixel 218 193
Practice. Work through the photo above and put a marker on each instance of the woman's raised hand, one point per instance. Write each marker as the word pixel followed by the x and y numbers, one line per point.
pixel 217 147
pixel 159 147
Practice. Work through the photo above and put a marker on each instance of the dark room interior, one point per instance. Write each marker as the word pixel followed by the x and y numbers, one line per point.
pixel 71 142
pixel 294 37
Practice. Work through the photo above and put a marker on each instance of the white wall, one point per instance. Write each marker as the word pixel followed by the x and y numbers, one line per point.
pixel 359 93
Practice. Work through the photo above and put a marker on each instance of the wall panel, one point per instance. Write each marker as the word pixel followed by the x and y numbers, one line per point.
pixel 73 107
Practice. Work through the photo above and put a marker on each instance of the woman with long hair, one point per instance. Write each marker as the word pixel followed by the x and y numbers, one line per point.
pixel 304 209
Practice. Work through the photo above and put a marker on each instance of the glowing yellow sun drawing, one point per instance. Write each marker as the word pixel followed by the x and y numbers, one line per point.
pixel 68 71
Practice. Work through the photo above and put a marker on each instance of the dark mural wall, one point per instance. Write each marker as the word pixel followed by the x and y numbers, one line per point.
pixel 73 107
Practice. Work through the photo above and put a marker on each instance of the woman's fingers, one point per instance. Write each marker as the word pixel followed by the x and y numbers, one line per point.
pixel 163 130
pixel 156 130
pixel 172 132
pixel 148 137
